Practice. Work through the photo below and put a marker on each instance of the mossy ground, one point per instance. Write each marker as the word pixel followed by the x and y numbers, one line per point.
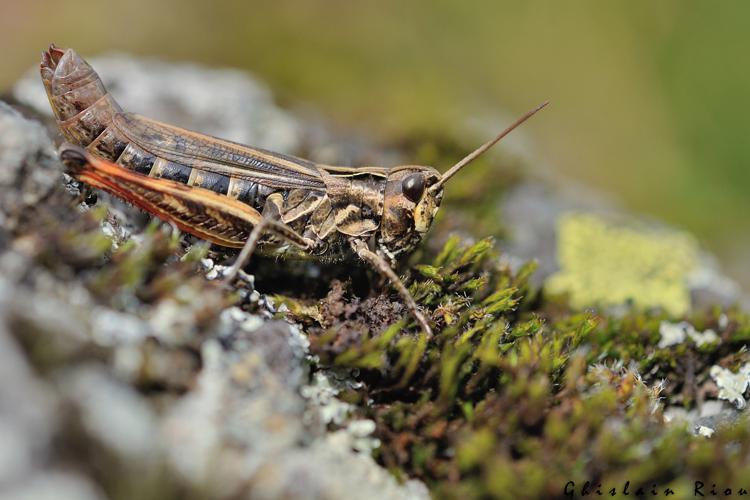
pixel 514 396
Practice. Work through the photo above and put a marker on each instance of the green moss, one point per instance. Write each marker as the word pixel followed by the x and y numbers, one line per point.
pixel 514 396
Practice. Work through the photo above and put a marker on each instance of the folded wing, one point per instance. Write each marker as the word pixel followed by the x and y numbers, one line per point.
pixel 219 156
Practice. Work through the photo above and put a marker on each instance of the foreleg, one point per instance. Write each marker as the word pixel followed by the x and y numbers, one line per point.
pixel 380 264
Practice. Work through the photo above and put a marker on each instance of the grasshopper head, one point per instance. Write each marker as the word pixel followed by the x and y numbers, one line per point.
pixel 410 205
pixel 413 195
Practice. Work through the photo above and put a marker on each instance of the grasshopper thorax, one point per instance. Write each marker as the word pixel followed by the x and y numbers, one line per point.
pixel 409 207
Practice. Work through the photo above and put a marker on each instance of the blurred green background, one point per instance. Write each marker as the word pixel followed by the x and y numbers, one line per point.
pixel 649 99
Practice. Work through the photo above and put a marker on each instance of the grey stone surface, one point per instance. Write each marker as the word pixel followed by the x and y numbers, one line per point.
pixel 28 168
pixel 532 211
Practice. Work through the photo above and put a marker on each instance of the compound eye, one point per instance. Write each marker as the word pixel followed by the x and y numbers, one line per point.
pixel 413 186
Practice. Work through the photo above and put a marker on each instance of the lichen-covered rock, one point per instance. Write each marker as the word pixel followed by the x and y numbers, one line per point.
pixel 28 166
pixel 591 249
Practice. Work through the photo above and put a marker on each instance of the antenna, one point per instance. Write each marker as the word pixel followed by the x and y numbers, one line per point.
pixel 484 147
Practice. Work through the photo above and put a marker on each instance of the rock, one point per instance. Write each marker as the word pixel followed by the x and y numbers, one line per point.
pixel 712 416
pixel 590 248
pixel 55 485
pixel 27 414
pixel 133 371
pixel 28 165
pixel 329 469
pixel 113 413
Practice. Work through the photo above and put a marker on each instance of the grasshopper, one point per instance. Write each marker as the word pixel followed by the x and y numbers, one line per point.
pixel 239 196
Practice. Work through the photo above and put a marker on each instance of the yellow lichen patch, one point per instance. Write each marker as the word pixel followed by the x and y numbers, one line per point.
pixel 607 264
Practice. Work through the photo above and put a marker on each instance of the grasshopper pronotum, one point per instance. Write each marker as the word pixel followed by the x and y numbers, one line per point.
pixel 238 196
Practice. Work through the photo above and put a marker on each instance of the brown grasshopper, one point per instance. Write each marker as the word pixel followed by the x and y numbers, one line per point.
pixel 239 196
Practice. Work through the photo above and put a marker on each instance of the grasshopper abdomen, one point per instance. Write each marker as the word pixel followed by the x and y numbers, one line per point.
pixel 85 112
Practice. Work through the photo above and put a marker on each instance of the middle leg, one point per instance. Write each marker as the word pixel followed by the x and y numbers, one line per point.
pixel 270 222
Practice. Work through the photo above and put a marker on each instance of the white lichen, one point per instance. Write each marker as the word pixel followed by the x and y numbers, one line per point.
pixel 360 435
pixel 322 395
pixel 705 431
pixel 671 334
pixel 732 386
pixel 723 321
pixel 113 328
pixel 239 318
pixel 677 333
